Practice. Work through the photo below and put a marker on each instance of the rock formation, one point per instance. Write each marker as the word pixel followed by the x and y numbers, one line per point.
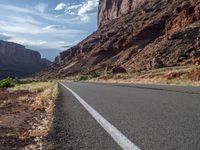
pixel 131 34
pixel 111 9
pixel 17 61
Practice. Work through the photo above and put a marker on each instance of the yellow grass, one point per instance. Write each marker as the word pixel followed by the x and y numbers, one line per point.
pixel 46 93
pixel 156 76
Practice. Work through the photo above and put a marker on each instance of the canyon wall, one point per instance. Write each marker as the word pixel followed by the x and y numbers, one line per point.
pixel 17 61
pixel 111 9
pixel 151 34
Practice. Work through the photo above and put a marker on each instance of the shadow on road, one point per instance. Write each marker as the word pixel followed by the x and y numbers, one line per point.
pixel 161 89
pixel 153 87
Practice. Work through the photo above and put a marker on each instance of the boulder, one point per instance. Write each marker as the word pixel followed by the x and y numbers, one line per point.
pixel 155 64
pixel 118 69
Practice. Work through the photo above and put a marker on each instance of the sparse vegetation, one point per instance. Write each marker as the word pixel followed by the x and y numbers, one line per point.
pixel 83 78
pixel 94 75
pixel 7 83
pixel 179 75
pixel 34 102
pixel 90 76
pixel 10 82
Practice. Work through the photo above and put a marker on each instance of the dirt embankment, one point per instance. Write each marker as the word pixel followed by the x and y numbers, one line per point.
pixel 186 75
pixel 26 116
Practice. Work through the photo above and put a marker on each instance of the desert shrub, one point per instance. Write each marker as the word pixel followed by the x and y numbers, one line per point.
pixel 24 81
pixel 95 75
pixel 7 83
pixel 83 78
pixel 29 81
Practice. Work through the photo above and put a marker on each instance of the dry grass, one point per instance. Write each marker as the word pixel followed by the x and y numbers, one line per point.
pixel 35 86
pixel 46 92
pixel 170 75
pixel 33 105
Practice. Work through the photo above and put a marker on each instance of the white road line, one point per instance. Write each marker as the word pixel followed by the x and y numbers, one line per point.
pixel 122 140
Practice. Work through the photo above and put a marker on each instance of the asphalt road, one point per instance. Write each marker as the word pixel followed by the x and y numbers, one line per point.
pixel 151 117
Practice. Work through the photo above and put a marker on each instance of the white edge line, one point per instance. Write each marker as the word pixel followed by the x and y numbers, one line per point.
pixel 118 137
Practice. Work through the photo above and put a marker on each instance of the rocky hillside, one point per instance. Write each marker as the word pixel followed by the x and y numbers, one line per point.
pixel 135 35
pixel 17 61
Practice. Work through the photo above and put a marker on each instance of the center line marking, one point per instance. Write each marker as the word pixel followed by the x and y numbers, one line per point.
pixel 118 137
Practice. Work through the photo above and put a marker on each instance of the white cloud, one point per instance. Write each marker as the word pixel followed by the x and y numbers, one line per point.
pixel 35 26
pixel 24 19
pixel 27 28
pixel 41 7
pixel 4 36
pixel 33 29
pixel 29 43
pixel 60 6
pixel 89 7
pixel 84 10
pixel 31 21
pixel 10 9
pixel 60 29
pixel 54 27
pixel 40 44
pixel 72 7
pixel 15 9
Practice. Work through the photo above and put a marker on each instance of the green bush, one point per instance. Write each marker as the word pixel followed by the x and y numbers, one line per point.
pixel 94 75
pixel 83 78
pixel 7 83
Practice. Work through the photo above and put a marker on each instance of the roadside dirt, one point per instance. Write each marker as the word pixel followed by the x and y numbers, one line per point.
pixel 23 125
pixel 185 76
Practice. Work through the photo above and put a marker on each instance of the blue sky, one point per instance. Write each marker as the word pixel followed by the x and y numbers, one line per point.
pixel 49 26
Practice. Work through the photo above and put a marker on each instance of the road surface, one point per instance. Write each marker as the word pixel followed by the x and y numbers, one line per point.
pixel 150 117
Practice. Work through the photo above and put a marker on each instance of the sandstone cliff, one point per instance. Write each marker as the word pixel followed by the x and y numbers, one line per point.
pixel 17 61
pixel 111 9
pixel 146 35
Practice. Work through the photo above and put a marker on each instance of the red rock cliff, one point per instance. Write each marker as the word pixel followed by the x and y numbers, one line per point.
pixel 111 9
pixel 151 34
pixel 17 61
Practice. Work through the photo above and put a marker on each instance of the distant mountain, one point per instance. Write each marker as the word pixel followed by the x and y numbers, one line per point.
pixel 17 61
pixel 135 35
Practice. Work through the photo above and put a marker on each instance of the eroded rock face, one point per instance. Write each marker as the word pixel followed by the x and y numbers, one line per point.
pixel 17 61
pixel 184 15
pixel 168 30
pixel 111 9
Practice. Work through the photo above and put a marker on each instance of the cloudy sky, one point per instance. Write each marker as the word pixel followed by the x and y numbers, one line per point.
pixel 48 26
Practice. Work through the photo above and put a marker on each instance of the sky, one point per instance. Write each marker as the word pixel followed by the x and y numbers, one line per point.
pixel 48 26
